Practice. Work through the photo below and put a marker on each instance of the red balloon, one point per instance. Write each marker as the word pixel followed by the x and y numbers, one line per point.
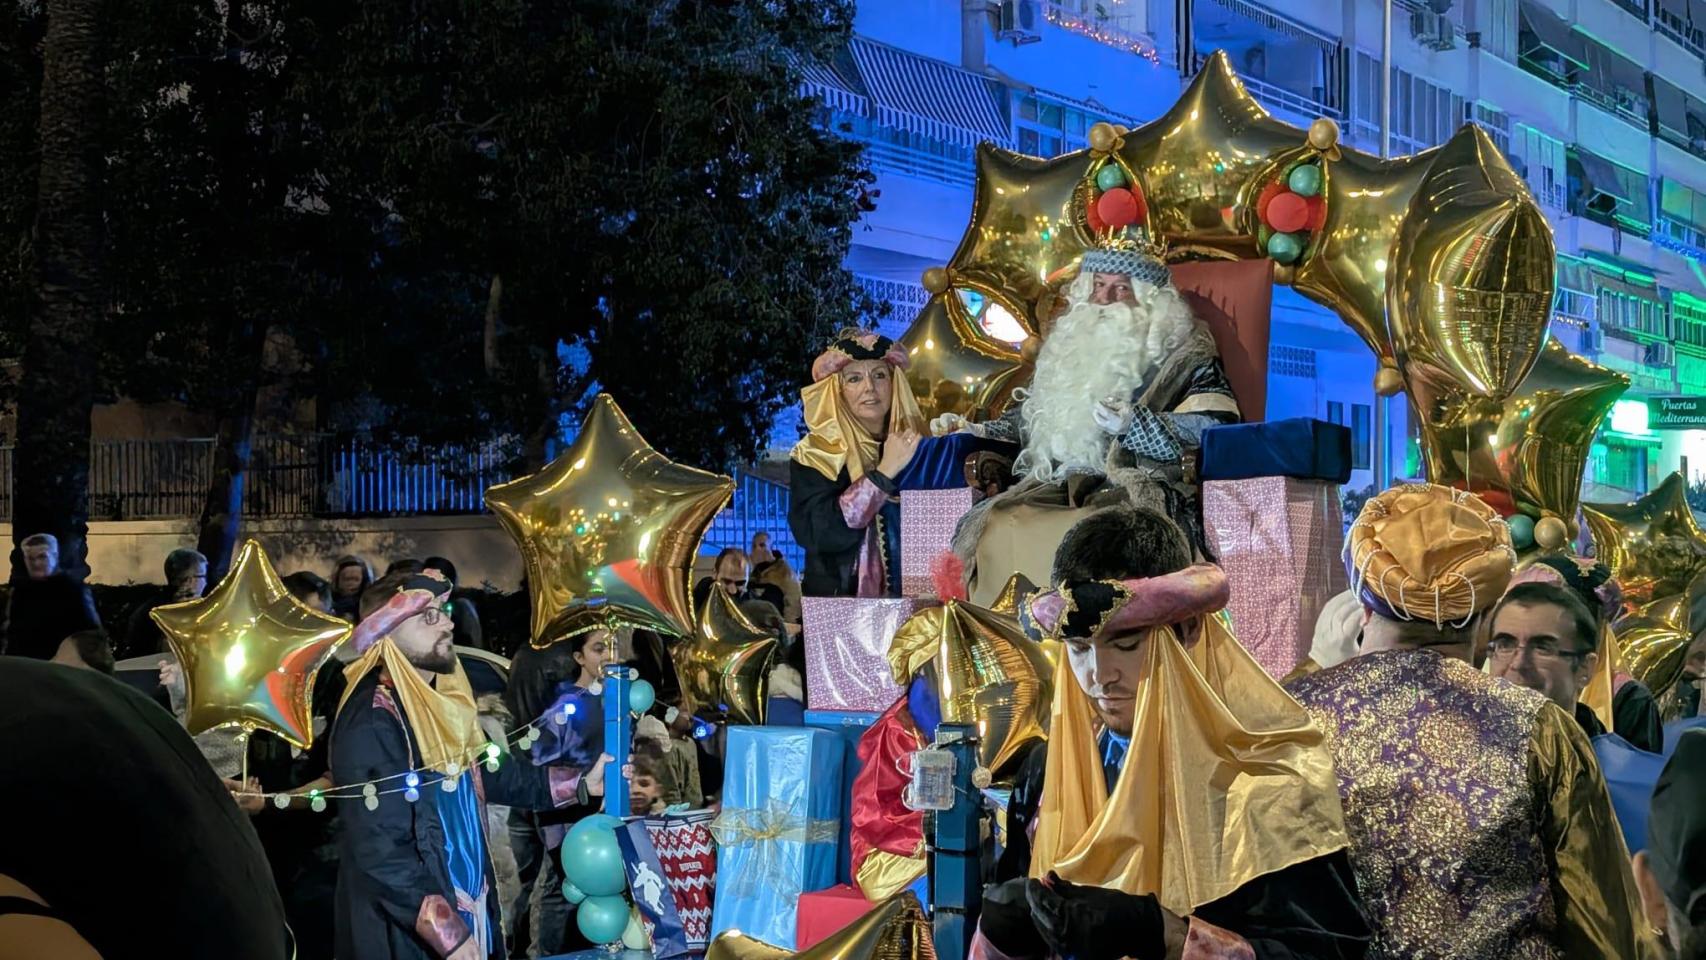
pixel 1288 213
pixel 1118 207
pixel 1269 192
pixel 1093 218
pixel 1317 212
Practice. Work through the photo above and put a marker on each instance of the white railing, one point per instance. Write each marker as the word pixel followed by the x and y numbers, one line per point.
pixel 918 163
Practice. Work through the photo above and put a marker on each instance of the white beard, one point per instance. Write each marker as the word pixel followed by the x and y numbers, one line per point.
pixel 1094 352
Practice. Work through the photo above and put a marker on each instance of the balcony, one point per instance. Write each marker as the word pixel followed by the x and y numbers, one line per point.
pixel 1682 237
pixel 1104 22
pixel 955 171
pixel 1687 35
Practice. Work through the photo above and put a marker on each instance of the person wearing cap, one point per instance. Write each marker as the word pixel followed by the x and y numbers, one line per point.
pixel 415 878
pixel 1581 668
pixel 864 428
pixel 1125 382
pixel 1672 869
pixel 1480 822
pixel 1183 806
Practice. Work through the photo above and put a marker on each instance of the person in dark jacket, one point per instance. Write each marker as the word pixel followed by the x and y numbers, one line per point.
pixel 350 576
pixel 186 579
pixel 865 427
pixel 46 607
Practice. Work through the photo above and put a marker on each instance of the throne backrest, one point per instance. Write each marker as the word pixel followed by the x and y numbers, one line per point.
pixel 1235 298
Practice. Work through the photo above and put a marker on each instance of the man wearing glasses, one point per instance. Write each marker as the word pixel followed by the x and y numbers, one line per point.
pixel 1544 638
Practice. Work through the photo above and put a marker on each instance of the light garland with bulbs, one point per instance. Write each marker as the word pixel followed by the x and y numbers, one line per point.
pixel 1084 26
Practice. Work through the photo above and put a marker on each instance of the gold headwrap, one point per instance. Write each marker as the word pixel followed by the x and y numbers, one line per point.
pixel 829 423
pixel 1427 552
pixel 1225 780
pixel 445 721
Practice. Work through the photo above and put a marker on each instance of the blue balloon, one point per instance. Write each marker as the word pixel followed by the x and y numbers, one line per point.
pixel 1110 176
pixel 641 696
pixel 602 919
pixel 1522 531
pixel 592 861
pixel 572 893
pixel 1305 180
pixel 1284 247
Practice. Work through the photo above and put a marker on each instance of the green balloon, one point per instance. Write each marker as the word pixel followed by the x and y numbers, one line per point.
pixel 1522 531
pixel 1110 176
pixel 602 919
pixel 572 893
pixel 1284 247
pixel 1305 180
pixel 592 861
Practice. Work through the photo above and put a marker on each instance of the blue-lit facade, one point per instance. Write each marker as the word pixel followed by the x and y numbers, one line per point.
pixel 1601 104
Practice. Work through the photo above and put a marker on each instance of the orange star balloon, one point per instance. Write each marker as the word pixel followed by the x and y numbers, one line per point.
pixel 250 651
pixel 1653 545
pixel 608 531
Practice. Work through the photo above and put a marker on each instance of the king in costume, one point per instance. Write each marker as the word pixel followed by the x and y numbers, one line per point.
pixel 1480 823
pixel 1183 806
pixel 415 878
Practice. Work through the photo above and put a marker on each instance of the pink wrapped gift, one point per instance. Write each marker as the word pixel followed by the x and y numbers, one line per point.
pixel 927 522
pixel 847 644
pixel 1279 540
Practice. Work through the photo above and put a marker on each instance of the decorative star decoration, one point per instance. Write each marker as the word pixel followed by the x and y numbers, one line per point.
pixel 956 368
pixel 1653 546
pixel 896 928
pixel 249 651
pixel 608 531
pixel 724 665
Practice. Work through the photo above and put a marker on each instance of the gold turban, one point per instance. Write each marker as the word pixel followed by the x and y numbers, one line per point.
pixel 834 438
pixel 1426 552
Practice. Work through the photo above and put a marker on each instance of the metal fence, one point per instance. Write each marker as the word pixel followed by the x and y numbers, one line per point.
pixel 310 475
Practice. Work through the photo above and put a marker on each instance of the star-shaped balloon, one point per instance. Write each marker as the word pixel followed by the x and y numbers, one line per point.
pixel 724 664
pixel 956 368
pixel 895 929
pixel 1653 546
pixel 249 651
pixel 608 531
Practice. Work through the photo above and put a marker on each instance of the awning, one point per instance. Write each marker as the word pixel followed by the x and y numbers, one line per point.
pixel 837 82
pixel 1599 175
pixel 1575 276
pixel 1550 31
pixel 1609 70
pixel 1623 276
pixel 1256 13
pixel 1682 203
pixel 929 97
pixel 1671 105
pixel 1697 14
pixel 1676 8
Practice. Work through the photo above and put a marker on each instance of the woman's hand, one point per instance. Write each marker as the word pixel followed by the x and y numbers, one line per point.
pixel 898 451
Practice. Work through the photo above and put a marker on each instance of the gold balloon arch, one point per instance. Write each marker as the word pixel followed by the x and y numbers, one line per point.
pixel 1441 262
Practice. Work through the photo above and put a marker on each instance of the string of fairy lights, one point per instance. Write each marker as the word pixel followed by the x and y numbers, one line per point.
pixel 1085 25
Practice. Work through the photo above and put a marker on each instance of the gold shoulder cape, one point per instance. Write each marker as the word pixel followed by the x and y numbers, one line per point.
pixel 443 716
pixel 1226 780
pixel 828 424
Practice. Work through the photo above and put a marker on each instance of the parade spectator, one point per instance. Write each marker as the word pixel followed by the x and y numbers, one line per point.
pixel 405 565
pixel 186 579
pixel 463 613
pixel 48 605
pixel 773 572
pixel 1672 870
pixel 87 649
pixel 728 574
pixel 1543 638
pixel 350 576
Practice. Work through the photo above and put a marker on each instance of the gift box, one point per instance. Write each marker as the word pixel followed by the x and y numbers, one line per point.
pixel 783 801
pixel 670 863
pixel 927 522
pixel 1303 448
pixel 849 725
pixel 847 643
pixel 824 914
pixel 1279 541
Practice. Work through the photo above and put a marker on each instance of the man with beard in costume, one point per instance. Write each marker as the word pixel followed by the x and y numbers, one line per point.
pixel 416 879
pixel 1125 383
pixel 1183 806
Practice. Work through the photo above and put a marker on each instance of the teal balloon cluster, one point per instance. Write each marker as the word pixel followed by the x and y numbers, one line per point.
pixel 595 878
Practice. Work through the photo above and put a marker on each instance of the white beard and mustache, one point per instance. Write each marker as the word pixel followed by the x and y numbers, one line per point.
pixel 1093 352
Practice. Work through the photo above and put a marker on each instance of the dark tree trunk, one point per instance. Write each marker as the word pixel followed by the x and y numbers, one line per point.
pixel 222 513
pixel 56 395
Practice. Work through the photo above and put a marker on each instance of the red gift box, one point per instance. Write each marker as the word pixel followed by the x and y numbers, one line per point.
pixel 825 913
pixel 847 644
pixel 1280 541
pixel 927 522
pixel 688 855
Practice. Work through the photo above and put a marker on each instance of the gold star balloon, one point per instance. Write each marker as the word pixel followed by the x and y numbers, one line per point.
pixel 1653 546
pixel 895 929
pixel 608 531
pixel 955 368
pixel 724 665
pixel 249 651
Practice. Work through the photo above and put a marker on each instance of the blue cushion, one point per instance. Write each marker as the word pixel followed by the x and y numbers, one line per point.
pixel 1302 447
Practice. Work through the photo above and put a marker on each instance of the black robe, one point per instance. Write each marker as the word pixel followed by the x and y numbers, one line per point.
pixel 1635 717
pixel 832 547
pixel 393 858
pixel 1307 910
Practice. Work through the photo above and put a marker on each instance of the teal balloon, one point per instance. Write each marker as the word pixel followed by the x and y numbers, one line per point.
pixel 572 893
pixel 641 696
pixel 597 823
pixel 1305 180
pixel 1110 176
pixel 592 861
pixel 1522 531
pixel 1284 247
pixel 602 919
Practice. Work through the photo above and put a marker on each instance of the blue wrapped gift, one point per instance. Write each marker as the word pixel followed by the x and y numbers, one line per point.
pixel 850 725
pixel 783 800
pixel 1630 774
pixel 939 463
pixel 1303 448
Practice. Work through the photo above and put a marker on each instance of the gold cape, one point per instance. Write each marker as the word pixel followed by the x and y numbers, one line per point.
pixel 1226 779
pixel 828 422
pixel 445 721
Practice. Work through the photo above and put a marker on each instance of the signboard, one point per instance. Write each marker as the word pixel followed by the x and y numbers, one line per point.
pixel 1676 413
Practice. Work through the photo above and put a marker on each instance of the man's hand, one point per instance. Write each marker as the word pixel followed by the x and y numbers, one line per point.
pixel 897 452
pixel 247 795
pixel 595 776
pixel 949 423
pixel 171 675
pixel 1113 415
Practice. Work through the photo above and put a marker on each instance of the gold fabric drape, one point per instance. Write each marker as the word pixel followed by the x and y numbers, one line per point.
pixel 443 716
pixel 1597 695
pixel 1226 779
pixel 829 423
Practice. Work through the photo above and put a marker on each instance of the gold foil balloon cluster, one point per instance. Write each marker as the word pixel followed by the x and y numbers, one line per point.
pixel 724 665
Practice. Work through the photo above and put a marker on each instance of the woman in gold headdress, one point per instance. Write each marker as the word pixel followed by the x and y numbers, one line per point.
pixel 864 428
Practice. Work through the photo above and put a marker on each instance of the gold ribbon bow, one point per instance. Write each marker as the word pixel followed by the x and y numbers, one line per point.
pixel 768 828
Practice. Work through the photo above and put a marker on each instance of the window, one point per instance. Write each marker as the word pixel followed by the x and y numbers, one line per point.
pixel 1608 192
pixel 1496 122
pixel 1047 128
pixel 1500 36
pixel 1362 417
pixel 1690 316
pixel 1540 160
pixel 1336 412
pixel 1620 310
pixel 1617 465
pixel 1423 115
pixel 1288 361
pixel 1284 64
